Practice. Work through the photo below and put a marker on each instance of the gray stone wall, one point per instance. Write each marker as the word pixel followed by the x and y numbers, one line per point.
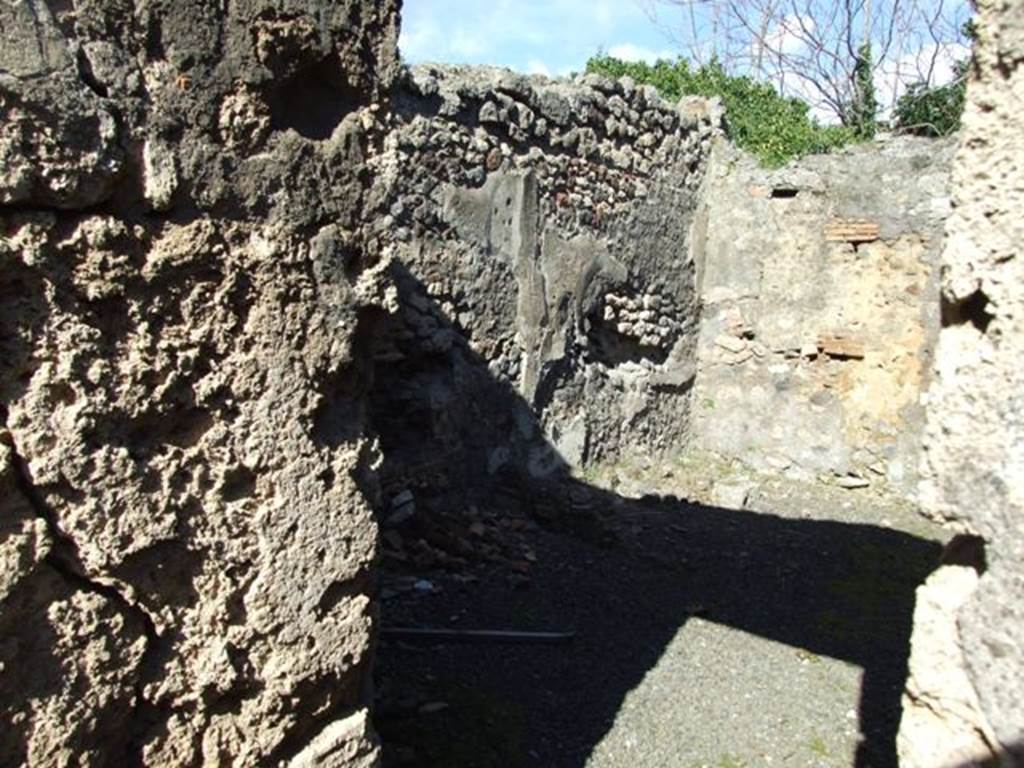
pixel 548 306
pixel 974 459
pixel 243 282
pixel 819 291
pixel 185 556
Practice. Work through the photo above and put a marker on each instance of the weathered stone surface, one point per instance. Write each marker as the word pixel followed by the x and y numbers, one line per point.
pixel 942 725
pixel 217 227
pixel 733 493
pixel 184 540
pixel 548 306
pixel 816 338
pixel 974 458
pixel 59 140
pixel 342 744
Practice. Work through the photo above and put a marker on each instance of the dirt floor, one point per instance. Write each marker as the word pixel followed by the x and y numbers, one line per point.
pixel 772 634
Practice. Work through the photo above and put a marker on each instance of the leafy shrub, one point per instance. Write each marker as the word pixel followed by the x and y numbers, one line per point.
pixel 932 111
pixel 774 128
pixel 863 110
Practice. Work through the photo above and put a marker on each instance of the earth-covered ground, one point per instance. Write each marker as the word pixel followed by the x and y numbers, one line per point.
pixel 719 618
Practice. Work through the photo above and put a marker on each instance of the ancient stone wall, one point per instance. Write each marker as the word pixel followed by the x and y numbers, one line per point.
pixel 967 661
pixel 548 307
pixel 819 291
pixel 207 217
pixel 243 281
pixel 185 556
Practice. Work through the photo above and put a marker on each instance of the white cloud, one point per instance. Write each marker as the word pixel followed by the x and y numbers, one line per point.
pixel 420 41
pixel 632 52
pixel 537 67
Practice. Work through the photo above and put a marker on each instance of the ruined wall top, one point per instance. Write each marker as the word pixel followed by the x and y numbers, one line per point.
pixel 600 140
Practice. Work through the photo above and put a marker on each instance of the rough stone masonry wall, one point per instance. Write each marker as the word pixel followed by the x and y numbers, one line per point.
pixel 214 234
pixel 819 290
pixel 964 697
pixel 184 271
pixel 548 305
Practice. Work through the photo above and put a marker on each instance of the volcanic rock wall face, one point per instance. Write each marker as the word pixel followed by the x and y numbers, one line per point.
pixel 216 233
pixel 974 458
pixel 184 273
pixel 819 285
pixel 548 304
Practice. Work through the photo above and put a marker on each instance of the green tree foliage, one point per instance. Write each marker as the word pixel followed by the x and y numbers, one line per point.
pixel 862 114
pixel 774 128
pixel 937 111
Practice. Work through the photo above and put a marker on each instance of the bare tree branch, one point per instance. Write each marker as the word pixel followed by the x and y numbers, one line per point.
pixel 810 48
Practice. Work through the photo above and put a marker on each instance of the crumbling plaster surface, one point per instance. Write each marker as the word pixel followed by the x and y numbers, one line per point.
pixel 212 220
pixel 819 291
pixel 185 270
pixel 974 444
pixel 942 725
pixel 549 311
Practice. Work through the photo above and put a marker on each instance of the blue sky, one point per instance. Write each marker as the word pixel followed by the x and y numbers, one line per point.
pixel 538 36
pixel 556 37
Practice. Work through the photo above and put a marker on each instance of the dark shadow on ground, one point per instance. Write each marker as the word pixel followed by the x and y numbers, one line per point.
pixel 1011 755
pixel 624 575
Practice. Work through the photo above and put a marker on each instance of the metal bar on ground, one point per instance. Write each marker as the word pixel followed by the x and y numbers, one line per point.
pixel 478 636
